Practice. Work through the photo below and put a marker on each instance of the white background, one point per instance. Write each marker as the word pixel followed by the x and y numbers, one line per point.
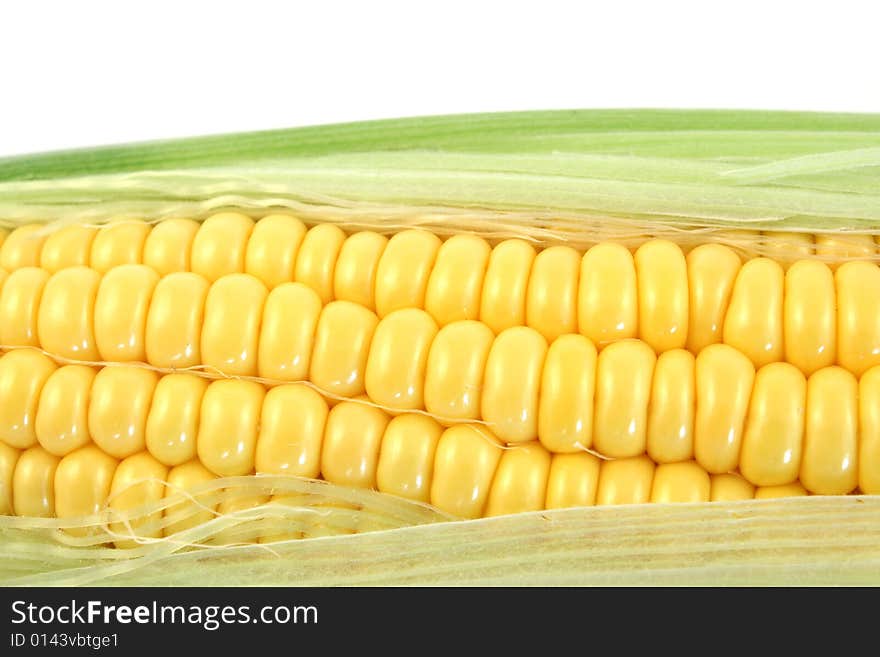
pixel 85 73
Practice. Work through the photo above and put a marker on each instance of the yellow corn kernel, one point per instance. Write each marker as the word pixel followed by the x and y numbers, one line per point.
pixel 272 249
pixel 341 348
pixel 20 305
pixel 168 247
pixel 316 260
pixel 352 440
pixel 728 487
pixel 23 373
pixel 830 461
pixel 62 419
pixel 287 332
pixel 464 467
pixel 512 382
pixel 406 457
pixel 173 421
pixel 231 330
pixel 775 492
pixel 118 243
pixel 573 480
pixel 354 278
pixel 65 321
pixel 661 274
pixel 623 389
pixel 771 446
pixel 568 381
pixel 219 246
pixel 8 460
pixel 33 483
pixel 69 246
pixel 810 318
pixel 869 432
pixel 82 485
pixel 120 401
pixel 292 427
pixel 625 481
pixel 404 269
pixel 121 312
pixel 608 312
pixel 505 286
pixel 724 378
pixel 398 359
pixel 858 316
pixel 456 280
pixel 196 508
pixel 712 270
pixel 229 425
pixel 670 434
pixel 22 247
pixel 138 481
pixel 754 320
pixel 837 247
pixel 454 372
pixel 173 332
pixel 520 481
pixel 680 482
pixel 552 296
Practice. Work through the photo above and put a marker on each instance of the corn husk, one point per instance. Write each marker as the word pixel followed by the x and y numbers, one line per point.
pixel 785 542
pixel 573 177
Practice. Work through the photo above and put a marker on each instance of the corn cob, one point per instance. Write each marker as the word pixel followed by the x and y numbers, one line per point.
pixel 485 375
pixel 623 402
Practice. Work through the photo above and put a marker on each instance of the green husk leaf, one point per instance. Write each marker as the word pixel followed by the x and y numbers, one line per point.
pixel 785 542
pixel 664 168
pixel 700 133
